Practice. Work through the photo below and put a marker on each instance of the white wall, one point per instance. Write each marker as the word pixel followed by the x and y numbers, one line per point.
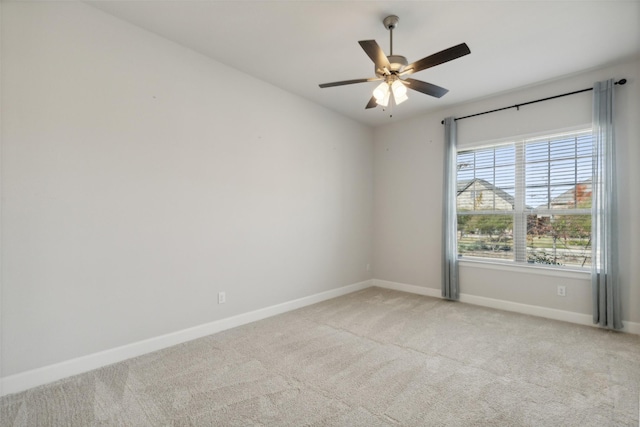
pixel 408 173
pixel 139 179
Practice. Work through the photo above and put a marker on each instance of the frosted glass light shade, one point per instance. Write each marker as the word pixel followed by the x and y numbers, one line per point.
pixel 398 88
pixel 384 101
pixel 399 99
pixel 381 91
pixel 399 92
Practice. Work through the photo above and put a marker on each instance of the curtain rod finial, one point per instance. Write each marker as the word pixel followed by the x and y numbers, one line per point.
pixel 621 82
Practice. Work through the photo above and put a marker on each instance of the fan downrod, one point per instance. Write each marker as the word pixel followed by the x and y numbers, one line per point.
pixel 390 23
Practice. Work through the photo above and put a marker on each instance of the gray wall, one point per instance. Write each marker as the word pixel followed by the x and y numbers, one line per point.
pixel 408 175
pixel 137 184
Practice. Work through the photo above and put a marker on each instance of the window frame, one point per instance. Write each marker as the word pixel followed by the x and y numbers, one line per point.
pixel 520 212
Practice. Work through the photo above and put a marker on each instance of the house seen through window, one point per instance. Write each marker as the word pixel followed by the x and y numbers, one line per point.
pixel 527 201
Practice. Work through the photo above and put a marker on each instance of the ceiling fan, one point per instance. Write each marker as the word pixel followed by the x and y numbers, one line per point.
pixel 392 70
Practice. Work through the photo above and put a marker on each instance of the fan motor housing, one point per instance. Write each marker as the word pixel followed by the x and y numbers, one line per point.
pixel 397 62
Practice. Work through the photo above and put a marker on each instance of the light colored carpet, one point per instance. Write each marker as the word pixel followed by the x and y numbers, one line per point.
pixel 372 358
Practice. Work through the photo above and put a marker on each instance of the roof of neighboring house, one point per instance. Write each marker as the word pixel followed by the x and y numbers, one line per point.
pixel 569 196
pixel 464 185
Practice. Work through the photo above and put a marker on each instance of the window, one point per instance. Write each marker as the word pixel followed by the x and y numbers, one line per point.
pixel 527 201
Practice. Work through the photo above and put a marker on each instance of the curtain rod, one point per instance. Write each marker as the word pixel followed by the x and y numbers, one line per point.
pixel 619 82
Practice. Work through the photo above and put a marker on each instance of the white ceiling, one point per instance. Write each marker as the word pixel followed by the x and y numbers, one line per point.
pixel 297 45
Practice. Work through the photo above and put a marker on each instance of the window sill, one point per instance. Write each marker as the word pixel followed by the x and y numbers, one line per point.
pixel 571 273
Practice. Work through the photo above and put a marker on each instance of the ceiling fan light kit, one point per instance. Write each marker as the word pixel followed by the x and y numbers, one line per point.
pixel 393 69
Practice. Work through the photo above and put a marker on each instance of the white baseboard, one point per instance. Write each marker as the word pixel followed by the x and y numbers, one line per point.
pixel 47 374
pixel 631 327
pixel 534 310
pixel 549 313
pixel 413 289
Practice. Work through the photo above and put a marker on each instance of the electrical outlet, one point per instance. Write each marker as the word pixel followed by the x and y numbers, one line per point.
pixel 368 267
pixel 562 291
pixel 222 298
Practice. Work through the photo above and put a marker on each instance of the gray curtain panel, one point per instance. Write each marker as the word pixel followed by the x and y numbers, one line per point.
pixel 604 268
pixel 450 221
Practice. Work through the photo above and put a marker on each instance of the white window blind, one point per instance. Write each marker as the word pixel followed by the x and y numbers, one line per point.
pixel 527 201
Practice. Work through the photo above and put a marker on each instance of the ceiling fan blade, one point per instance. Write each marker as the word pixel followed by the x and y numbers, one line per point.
pixel 376 54
pixel 349 82
pixel 424 87
pixel 372 103
pixel 437 58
